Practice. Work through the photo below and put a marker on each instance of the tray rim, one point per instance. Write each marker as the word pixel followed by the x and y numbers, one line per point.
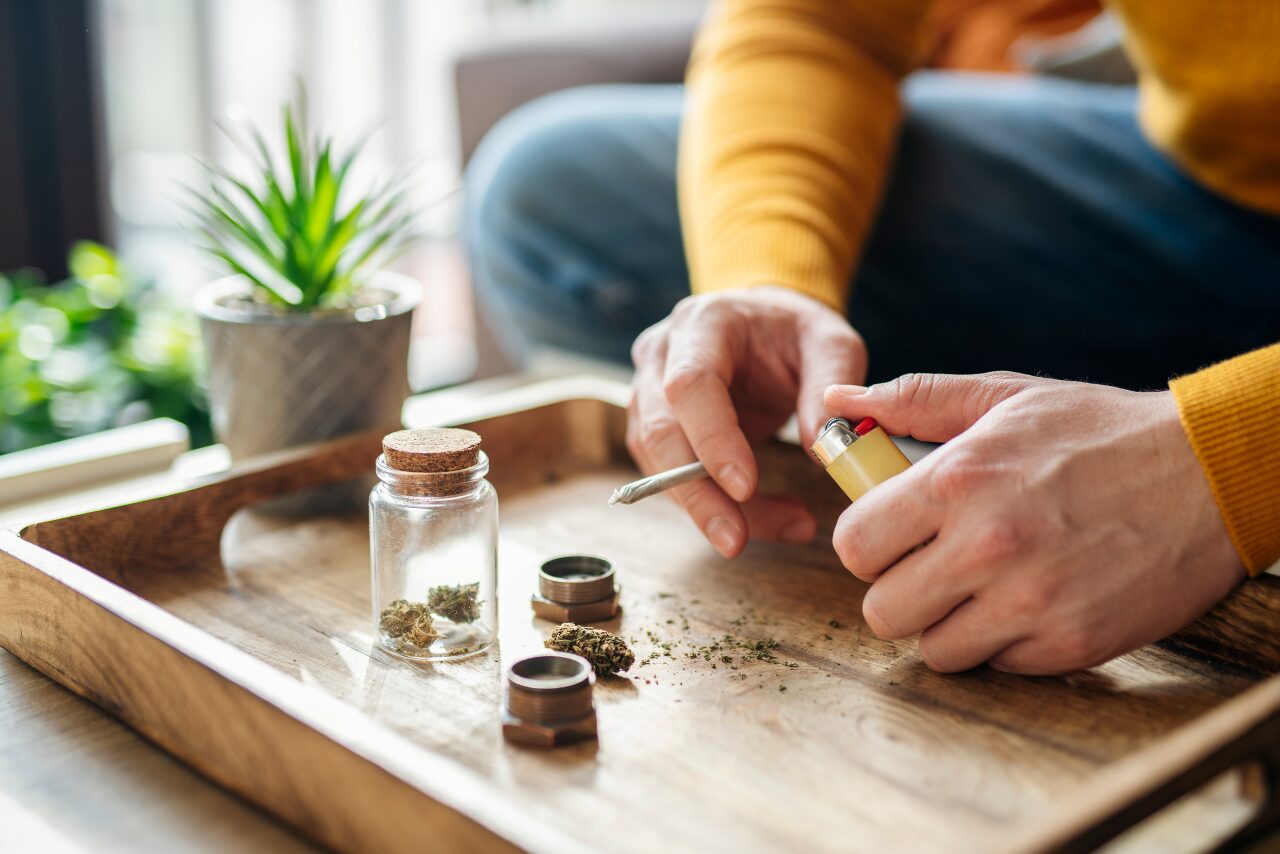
pixel 1243 728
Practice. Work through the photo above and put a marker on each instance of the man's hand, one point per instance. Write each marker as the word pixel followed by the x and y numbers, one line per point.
pixel 1072 522
pixel 727 369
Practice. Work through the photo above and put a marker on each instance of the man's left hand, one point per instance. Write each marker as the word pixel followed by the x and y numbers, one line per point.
pixel 1066 523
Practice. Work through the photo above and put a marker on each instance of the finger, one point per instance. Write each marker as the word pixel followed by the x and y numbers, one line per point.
pixel 659 445
pixel 649 355
pixel 1050 656
pixel 971 635
pixel 878 529
pixel 717 515
pixel 696 382
pixel 828 355
pixel 780 519
pixel 1030 657
pixel 929 407
pixel 920 590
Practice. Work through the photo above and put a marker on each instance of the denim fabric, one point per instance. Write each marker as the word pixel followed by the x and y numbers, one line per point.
pixel 1027 225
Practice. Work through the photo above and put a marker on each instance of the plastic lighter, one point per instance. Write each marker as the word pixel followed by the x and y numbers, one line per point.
pixel 859 457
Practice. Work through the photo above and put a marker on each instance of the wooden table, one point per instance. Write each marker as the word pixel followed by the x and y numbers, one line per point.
pixel 73 778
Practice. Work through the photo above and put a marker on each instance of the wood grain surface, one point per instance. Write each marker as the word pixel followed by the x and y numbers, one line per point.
pixel 845 742
pixel 76 781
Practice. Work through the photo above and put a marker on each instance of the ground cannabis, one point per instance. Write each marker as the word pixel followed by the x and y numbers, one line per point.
pixel 736 656
pixel 409 622
pixel 607 653
pixel 455 602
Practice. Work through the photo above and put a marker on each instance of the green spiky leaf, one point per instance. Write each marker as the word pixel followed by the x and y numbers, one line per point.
pixel 290 229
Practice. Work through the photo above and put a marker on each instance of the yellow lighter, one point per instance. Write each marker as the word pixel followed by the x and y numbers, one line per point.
pixel 859 457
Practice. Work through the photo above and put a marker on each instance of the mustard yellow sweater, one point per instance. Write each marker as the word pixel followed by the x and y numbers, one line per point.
pixel 793 113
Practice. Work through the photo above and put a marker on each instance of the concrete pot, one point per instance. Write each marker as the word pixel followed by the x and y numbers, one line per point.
pixel 282 379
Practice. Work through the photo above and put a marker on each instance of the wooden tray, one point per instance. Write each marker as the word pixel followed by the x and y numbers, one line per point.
pixel 242 644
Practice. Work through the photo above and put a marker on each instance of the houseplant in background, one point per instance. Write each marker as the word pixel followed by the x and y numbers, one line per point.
pixel 99 350
pixel 308 338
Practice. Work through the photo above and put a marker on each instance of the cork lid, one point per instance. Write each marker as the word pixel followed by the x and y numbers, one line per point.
pixel 437 450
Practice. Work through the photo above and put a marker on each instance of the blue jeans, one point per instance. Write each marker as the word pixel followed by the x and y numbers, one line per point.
pixel 1027 225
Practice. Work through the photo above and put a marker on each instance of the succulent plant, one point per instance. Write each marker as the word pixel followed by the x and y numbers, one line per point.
pixel 294 229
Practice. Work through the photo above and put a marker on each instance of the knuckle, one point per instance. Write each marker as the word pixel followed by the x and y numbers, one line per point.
pixel 932 655
pixel 1031 600
pixel 873 614
pixel 998 539
pixel 844 341
pixel 957 476
pixel 1005 377
pixel 697 307
pixel 682 378
pixel 911 391
pixel 684 306
pixel 998 386
pixel 837 333
pixel 654 430
pixel 642 348
pixel 850 547
pixel 1071 648
pixel 1013 660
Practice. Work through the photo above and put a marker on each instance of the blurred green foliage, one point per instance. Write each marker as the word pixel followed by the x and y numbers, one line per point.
pixel 92 352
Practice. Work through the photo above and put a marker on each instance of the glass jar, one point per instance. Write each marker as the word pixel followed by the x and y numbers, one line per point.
pixel 434 538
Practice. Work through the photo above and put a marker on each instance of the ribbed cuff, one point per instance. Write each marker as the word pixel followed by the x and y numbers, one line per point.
pixel 1230 412
pixel 789 254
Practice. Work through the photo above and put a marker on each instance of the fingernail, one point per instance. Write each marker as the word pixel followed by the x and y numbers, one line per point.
pixel 848 390
pixel 723 534
pixel 800 533
pixel 735 482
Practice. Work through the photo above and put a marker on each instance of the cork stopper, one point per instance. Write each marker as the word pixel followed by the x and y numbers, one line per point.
pixel 443 449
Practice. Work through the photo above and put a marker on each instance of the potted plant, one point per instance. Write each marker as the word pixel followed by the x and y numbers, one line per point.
pixel 307 338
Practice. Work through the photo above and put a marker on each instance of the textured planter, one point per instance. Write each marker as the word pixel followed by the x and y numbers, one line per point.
pixel 278 380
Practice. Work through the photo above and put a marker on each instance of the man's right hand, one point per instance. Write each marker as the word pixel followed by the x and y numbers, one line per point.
pixel 727 369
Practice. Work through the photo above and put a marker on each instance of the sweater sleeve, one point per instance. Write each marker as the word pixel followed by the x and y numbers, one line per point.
pixel 1230 412
pixel 791 118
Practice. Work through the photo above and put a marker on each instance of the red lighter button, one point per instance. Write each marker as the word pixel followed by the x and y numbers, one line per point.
pixel 865 426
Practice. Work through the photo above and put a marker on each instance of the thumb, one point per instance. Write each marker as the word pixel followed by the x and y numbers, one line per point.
pixel 929 407
pixel 834 355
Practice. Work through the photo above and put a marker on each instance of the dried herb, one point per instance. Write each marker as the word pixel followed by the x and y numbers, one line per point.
pixel 455 602
pixel 409 622
pixel 398 617
pixel 423 634
pixel 607 653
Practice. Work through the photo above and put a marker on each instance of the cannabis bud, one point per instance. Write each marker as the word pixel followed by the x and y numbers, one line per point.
pixel 423 634
pixel 607 653
pixel 455 602
pixel 410 621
